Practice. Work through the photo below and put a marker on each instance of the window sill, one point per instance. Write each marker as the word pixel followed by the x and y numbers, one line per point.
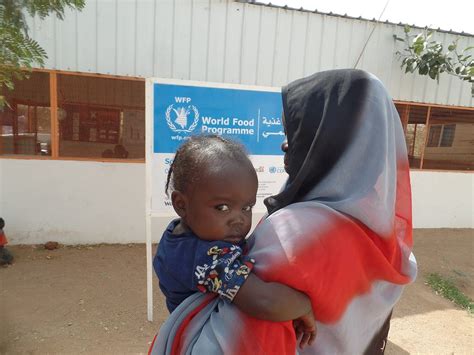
pixel 99 160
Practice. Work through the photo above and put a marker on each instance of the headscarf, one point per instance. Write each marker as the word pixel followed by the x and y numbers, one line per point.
pixel 345 140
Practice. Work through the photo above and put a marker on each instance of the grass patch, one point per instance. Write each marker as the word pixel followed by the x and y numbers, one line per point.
pixel 448 290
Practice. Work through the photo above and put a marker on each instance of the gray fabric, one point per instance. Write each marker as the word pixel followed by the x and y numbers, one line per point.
pixel 345 139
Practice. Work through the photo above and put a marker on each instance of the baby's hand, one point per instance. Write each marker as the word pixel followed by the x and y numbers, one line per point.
pixel 305 328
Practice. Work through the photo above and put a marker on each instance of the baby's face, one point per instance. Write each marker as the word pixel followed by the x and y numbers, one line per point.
pixel 219 205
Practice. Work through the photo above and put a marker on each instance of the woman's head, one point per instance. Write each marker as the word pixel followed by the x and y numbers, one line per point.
pixel 344 137
pixel 214 186
pixel 321 113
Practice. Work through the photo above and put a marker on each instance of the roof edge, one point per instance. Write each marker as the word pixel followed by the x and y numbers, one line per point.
pixel 301 9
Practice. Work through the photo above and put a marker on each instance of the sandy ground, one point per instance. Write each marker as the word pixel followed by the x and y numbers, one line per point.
pixel 93 300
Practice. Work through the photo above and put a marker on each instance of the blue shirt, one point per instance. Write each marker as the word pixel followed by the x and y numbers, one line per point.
pixel 186 264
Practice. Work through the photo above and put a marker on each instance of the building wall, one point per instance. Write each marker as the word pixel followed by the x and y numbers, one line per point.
pixel 209 40
pixel 72 201
pixel 227 41
pixel 442 199
pixel 91 202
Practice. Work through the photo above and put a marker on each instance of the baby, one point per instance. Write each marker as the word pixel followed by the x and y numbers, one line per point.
pixel 214 187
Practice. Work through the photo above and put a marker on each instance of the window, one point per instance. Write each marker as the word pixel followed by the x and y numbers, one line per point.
pixel 448 135
pixel 451 143
pixel 25 126
pixel 414 123
pixel 101 117
pixel 445 132
pixel 435 133
pixel 97 117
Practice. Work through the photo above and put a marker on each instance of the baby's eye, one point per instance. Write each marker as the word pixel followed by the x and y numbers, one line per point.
pixel 247 208
pixel 223 208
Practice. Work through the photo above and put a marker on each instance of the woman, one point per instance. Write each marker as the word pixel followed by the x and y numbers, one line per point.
pixel 340 230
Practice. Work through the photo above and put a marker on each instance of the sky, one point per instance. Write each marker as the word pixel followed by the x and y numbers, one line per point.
pixel 456 15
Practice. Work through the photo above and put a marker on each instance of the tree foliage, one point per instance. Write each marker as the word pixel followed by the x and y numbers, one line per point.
pixel 18 51
pixel 429 57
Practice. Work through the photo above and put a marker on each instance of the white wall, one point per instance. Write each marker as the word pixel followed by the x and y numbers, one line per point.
pixel 77 202
pixel 1 188
pixel 442 199
pixel 72 201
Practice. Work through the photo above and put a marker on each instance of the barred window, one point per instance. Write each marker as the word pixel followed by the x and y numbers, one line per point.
pixel 447 137
pixel 435 133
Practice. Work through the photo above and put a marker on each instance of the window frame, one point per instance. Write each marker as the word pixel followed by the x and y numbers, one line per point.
pixel 53 86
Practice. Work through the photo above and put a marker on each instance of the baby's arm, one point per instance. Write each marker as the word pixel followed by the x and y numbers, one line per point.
pixel 222 268
pixel 229 275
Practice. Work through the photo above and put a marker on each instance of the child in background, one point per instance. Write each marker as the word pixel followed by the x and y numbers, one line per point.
pixel 214 187
pixel 5 256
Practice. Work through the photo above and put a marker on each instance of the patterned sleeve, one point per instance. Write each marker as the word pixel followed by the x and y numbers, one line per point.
pixel 221 268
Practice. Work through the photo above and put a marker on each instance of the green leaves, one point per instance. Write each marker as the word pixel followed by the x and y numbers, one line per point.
pixel 428 57
pixel 19 52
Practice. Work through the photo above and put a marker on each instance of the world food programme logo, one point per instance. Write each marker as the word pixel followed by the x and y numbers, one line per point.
pixel 178 118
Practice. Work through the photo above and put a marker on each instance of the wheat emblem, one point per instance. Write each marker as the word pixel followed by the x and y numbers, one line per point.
pixel 182 118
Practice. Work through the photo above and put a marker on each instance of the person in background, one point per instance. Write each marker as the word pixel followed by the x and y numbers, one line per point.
pixel 120 152
pixel 5 256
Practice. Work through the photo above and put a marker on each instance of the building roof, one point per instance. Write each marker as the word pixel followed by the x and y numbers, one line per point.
pixel 301 9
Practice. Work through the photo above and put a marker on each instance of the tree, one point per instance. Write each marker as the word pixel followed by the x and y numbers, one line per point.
pixel 428 57
pixel 19 52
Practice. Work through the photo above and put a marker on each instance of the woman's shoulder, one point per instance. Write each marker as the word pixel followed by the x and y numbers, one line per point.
pixel 298 219
pixel 309 212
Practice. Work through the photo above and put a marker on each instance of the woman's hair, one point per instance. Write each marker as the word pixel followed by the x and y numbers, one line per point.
pixel 199 154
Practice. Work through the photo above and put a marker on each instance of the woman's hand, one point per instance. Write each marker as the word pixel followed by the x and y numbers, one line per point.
pixel 305 328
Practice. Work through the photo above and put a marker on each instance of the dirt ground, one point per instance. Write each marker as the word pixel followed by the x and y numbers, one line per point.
pixel 92 300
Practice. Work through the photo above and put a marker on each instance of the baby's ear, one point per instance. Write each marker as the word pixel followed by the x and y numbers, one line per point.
pixel 179 201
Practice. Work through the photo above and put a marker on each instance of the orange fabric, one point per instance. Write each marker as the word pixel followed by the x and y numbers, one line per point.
pixel 333 269
pixel 3 239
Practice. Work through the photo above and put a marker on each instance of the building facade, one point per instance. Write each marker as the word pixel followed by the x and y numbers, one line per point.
pixel 72 144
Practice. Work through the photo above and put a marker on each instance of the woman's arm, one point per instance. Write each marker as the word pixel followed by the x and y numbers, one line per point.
pixel 271 300
pixel 276 302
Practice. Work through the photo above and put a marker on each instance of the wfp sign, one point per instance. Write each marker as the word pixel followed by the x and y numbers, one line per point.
pixel 250 115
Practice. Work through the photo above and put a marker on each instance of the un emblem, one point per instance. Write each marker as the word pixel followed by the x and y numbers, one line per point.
pixel 180 118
